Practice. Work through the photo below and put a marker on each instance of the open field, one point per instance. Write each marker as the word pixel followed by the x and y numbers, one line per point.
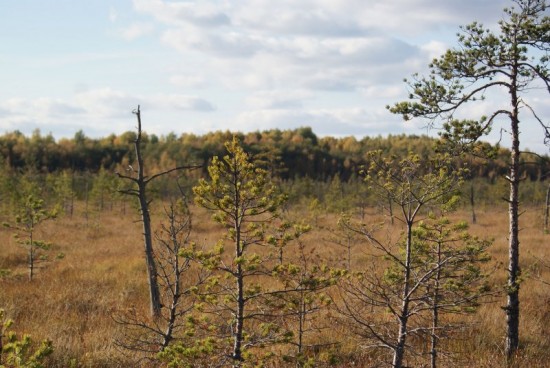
pixel 72 300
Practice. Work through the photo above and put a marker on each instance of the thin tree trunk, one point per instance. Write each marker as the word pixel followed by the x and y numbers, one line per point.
pixel 399 351
pixel 435 310
pixel 154 291
pixel 301 322
pixel 349 253
pixel 547 209
pixel 31 257
pixel 86 201
pixel 72 195
pixel 472 202
pixel 390 208
pixel 239 249
pixel 168 334
pixel 512 306
pixel 237 348
pixel 141 181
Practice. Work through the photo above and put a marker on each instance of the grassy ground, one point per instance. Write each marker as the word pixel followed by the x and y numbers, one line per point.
pixel 72 300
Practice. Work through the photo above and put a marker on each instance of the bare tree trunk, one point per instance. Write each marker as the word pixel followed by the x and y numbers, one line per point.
pixel 547 209
pixel 144 336
pixel 349 253
pixel 141 181
pixel 72 195
pixel 31 257
pixel 86 201
pixel 177 271
pixel 390 209
pixel 154 292
pixel 173 312
pixel 512 306
pixel 472 202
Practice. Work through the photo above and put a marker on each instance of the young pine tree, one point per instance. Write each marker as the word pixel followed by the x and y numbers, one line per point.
pixel 244 202
pixel 28 217
pixel 411 185
pixel 451 259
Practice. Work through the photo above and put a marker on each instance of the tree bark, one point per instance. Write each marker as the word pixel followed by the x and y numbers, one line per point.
pixel 473 202
pixel 547 209
pixel 435 310
pixel 399 351
pixel 154 291
pixel 512 305
pixel 141 180
pixel 31 254
pixel 239 323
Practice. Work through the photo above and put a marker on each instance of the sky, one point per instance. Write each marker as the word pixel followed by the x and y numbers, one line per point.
pixel 241 65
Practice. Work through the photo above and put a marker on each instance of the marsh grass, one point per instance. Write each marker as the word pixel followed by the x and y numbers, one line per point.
pixel 72 300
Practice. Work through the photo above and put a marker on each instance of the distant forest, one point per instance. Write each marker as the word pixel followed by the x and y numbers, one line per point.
pixel 291 154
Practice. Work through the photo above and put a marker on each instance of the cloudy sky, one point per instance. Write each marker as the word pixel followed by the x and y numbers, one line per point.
pixel 197 66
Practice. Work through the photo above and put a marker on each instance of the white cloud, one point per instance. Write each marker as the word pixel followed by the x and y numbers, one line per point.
pixel 113 15
pixel 136 30
pixel 180 102
pixel 334 122
pixel 392 92
pixel 277 99
pixel 230 44
pixel 101 109
pixel 188 80
pixel 434 49
pixel 202 14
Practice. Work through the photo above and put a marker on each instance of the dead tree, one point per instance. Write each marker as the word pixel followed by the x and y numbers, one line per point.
pixel 546 209
pixel 139 182
pixel 139 334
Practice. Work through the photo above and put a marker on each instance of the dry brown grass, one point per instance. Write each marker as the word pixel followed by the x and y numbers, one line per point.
pixel 72 300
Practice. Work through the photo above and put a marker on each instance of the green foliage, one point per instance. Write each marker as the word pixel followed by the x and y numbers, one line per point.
pixel 411 182
pixel 104 190
pixel 29 215
pixel 182 355
pixel 4 272
pixel 238 192
pixel 307 281
pixel 301 154
pixel 512 61
pixel 457 256
pixel 18 352
pixel 336 199
pixel 244 201
pixel 61 187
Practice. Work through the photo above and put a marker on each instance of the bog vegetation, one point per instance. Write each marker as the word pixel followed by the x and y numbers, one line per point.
pixel 283 249
pixel 256 268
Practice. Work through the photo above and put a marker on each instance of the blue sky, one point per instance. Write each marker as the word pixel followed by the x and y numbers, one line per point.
pixel 197 66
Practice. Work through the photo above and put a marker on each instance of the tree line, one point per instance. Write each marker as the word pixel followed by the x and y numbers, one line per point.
pixel 298 153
